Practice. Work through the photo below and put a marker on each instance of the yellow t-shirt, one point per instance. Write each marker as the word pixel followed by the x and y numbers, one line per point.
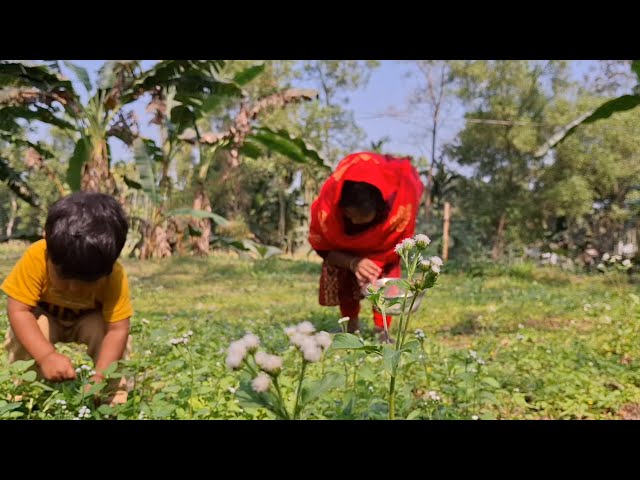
pixel 29 283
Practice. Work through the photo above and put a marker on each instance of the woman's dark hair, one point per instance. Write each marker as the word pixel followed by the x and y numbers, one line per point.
pixel 362 195
pixel 85 233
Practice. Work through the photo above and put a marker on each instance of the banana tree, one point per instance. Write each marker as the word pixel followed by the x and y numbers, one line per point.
pixel 39 92
pixel 247 137
pixel 620 104
pixel 178 102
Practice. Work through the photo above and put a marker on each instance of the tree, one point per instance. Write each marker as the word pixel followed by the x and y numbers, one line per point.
pixel 504 98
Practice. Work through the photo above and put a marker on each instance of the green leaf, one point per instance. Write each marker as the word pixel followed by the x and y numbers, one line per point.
pixel 249 398
pixel 81 73
pixel 29 376
pixel 390 358
pixel 9 406
pixel 251 150
pixel 284 143
pixel 620 104
pixel 248 74
pixel 132 183
pixel 635 66
pixel 172 389
pixel 105 409
pixel 349 404
pixel 218 220
pixel 145 164
pixel 492 382
pixel 412 346
pixel 107 75
pixel 313 390
pixel 46 388
pixel 77 160
pixel 20 366
pixel 30 113
pixel 345 341
pixel 183 117
pixel 21 73
pixel 110 369
pixel 414 414
pixel 95 388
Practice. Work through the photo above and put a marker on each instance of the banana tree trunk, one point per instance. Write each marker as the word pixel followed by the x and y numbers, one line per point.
pixel 95 175
pixel 200 244
pixel 155 243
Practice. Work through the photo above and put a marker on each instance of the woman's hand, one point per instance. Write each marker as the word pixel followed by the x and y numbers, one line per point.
pixel 366 270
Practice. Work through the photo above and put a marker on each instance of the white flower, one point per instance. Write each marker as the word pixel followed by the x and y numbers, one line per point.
pixel 232 390
pixel 261 383
pixel 298 339
pixel 92 372
pixel 601 267
pixel 626 262
pixel 399 248
pixel 419 333
pixel 312 354
pixel 519 337
pixel 235 354
pixel 520 325
pixel 141 416
pixel 190 332
pixel 606 257
pixel 251 341
pixel 306 328
pixel 425 265
pixel 474 417
pixel 269 363
pixel 290 331
pixel 473 354
pixel 371 388
pixel 607 307
pixel 436 261
pixel 78 370
pixel 323 339
pixel 481 361
pixel 516 389
pixel 433 396
pixel 422 241
pixel 435 269
pixel 147 352
pixel 145 321
pixel 408 244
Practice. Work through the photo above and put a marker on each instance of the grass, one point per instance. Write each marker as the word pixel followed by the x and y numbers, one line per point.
pixel 556 345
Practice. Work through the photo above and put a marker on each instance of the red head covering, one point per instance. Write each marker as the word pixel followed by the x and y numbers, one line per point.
pixel 400 185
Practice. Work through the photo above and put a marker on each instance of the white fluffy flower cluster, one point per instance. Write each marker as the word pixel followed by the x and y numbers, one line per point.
pixel 238 350
pixel 309 344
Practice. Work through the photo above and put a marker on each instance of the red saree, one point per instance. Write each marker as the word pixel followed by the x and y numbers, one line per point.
pixel 401 187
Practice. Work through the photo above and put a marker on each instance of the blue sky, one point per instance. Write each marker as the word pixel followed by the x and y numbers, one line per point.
pixel 389 87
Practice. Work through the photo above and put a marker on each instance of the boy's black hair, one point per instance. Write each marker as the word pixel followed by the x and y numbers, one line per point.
pixel 85 233
pixel 365 197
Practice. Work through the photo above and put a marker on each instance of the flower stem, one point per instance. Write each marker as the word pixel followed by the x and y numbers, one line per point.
pixel 297 408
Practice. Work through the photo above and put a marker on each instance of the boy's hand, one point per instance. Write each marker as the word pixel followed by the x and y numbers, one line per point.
pixel 57 367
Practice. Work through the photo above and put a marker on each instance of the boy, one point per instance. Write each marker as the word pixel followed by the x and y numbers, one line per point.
pixel 69 287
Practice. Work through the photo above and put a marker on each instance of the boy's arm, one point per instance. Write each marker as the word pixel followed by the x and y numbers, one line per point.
pixel 54 366
pixel 113 345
